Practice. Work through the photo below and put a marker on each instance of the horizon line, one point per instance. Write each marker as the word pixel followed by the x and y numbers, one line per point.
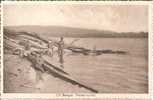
pixel 78 28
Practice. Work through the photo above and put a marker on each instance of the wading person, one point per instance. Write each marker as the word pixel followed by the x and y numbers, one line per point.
pixel 60 51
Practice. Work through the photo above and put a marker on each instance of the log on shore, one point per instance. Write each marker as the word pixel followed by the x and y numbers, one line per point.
pixel 69 79
pixel 56 72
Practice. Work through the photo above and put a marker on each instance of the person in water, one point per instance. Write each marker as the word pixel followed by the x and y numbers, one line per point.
pixel 60 51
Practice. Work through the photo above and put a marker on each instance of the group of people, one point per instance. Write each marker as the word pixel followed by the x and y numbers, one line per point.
pixel 50 49
pixel 60 47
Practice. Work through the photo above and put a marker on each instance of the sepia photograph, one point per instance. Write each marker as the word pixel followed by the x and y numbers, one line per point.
pixel 75 48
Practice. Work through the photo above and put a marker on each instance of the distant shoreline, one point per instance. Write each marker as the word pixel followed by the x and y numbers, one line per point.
pixel 60 31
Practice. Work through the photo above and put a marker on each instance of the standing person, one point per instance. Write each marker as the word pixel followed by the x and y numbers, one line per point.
pixel 21 52
pixel 60 51
pixel 50 48
pixel 27 45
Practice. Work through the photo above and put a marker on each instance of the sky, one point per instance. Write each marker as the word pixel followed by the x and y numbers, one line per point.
pixel 119 18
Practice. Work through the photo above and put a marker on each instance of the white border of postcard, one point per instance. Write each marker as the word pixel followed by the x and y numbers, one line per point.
pixel 84 95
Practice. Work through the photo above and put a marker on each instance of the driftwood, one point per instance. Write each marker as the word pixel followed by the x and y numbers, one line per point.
pixel 69 79
pixel 56 72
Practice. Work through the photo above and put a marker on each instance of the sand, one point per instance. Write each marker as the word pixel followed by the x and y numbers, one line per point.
pixel 20 77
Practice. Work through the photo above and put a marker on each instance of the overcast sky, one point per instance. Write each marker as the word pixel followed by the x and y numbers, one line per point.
pixel 116 18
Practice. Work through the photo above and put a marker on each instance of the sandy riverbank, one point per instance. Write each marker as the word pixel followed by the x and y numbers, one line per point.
pixel 19 76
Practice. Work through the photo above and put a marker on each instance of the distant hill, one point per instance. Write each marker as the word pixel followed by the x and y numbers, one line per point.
pixel 58 31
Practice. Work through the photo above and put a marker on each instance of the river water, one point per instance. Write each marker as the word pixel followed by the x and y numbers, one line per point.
pixel 112 73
